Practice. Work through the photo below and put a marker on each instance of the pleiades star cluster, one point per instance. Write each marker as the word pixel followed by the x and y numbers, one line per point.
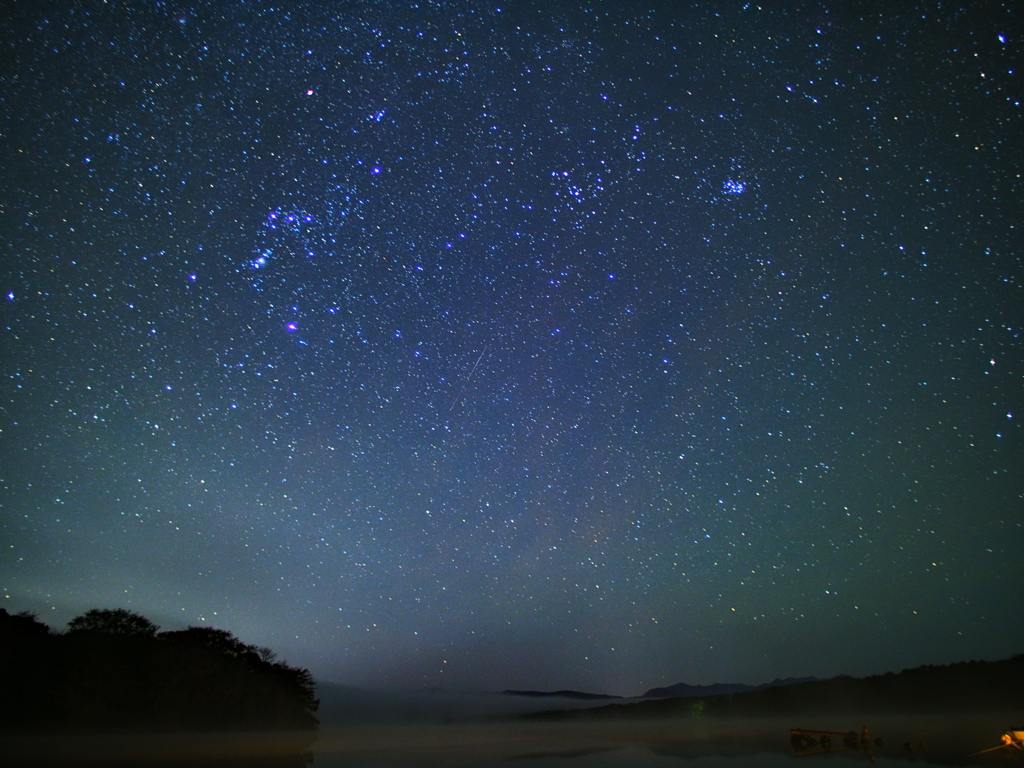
pixel 493 345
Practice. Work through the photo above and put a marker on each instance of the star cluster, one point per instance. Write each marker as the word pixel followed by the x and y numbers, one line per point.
pixel 598 345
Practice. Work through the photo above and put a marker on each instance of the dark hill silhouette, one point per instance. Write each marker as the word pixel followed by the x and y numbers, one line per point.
pixel 682 690
pixel 114 671
pixel 561 694
pixel 973 686
pixel 685 691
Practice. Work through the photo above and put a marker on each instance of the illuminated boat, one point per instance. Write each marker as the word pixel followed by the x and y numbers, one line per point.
pixel 1014 738
pixel 1011 739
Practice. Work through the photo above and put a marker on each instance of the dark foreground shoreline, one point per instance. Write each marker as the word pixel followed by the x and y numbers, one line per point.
pixel 259 749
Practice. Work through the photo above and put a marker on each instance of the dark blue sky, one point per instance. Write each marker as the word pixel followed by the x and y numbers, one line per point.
pixel 525 345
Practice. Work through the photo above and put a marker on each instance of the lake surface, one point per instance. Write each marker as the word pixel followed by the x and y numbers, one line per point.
pixel 693 744
pixel 685 743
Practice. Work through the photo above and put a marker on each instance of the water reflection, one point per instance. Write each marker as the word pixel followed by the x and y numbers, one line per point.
pixel 704 743
pixel 807 743
pixel 712 743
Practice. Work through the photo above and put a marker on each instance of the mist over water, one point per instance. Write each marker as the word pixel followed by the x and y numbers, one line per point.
pixel 727 743
pixel 344 705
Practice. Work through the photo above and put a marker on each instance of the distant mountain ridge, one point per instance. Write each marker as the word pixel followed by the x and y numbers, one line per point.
pixel 685 691
pixel 969 686
pixel 561 694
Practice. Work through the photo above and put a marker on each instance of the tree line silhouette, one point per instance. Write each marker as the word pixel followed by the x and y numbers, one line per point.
pixel 113 670
pixel 970 686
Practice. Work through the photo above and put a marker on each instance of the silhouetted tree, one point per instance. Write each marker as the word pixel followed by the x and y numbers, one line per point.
pixel 112 671
pixel 29 674
pixel 114 621
pixel 225 642
pixel 24 624
pixel 237 683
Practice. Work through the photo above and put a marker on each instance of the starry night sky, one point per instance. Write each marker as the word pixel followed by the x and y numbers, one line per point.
pixel 483 345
